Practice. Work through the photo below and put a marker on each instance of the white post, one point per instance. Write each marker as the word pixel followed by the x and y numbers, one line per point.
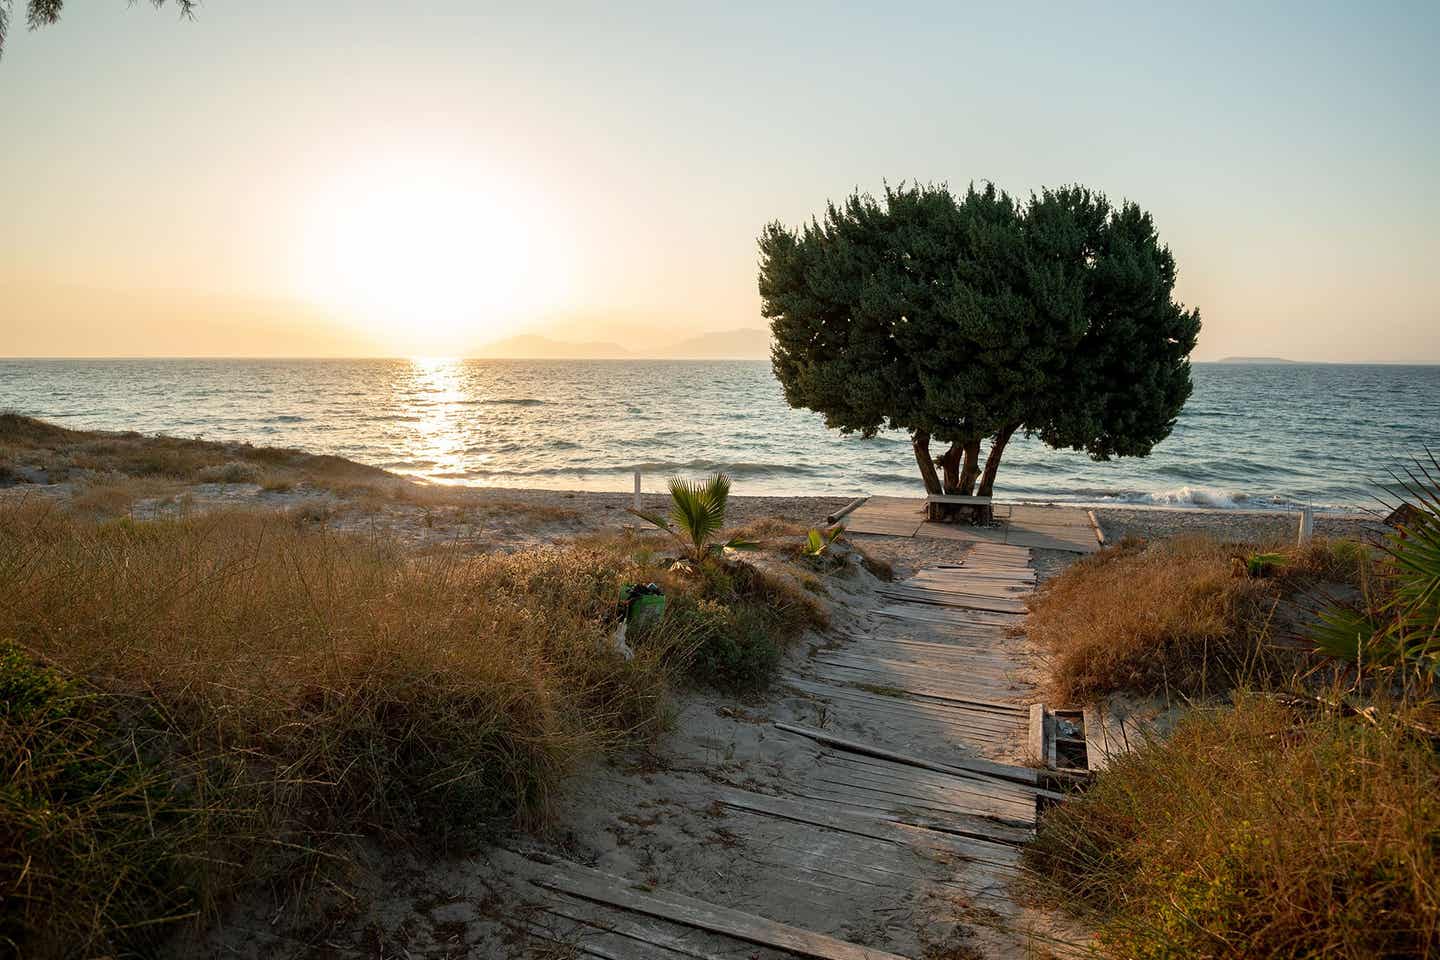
pixel 1307 524
pixel 637 489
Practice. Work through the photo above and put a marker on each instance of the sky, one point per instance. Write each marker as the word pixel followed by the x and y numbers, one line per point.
pixel 355 178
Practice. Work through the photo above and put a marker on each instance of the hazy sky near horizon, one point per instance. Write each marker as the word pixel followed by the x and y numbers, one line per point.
pixel 361 177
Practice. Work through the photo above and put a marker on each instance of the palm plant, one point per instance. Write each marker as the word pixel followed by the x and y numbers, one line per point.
pixel 697 513
pixel 817 543
pixel 1397 624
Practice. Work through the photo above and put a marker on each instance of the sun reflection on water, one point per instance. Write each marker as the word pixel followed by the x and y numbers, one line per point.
pixel 437 434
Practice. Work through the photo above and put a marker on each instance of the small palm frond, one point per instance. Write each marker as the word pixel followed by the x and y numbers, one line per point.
pixel 697 509
pixel 816 543
pixel 1344 633
pixel 654 518
pixel 1400 625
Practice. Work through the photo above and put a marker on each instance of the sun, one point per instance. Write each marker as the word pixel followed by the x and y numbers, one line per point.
pixel 430 257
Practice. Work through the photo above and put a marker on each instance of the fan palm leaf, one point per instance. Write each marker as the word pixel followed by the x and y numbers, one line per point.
pixel 697 514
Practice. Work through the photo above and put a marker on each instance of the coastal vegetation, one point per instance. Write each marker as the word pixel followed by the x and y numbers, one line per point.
pixel 697 514
pixel 1257 829
pixel 205 702
pixel 1184 617
pixel 971 318
pixel 1292 810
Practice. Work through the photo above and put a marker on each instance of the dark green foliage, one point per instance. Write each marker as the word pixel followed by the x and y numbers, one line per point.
pixel 735 646
pixel 973 317
pixel 731 622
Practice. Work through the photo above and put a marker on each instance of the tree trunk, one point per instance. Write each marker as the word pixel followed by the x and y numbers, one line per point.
pixel 992 463
pixel 950 464
pixel 920 440
pixel 966 486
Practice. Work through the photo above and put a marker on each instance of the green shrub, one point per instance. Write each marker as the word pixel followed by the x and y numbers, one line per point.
pixel 732 647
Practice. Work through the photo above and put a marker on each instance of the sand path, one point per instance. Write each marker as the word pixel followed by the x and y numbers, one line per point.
pixel 873 806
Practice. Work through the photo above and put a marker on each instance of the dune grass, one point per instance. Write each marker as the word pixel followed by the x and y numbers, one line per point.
pixel 1187 616
pixel 727 623
pixel 202 703
pixel 229 698
pixel 1257 830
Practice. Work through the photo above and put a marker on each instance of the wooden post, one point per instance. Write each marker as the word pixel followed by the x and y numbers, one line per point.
pixel 637 489
pixel 1307 525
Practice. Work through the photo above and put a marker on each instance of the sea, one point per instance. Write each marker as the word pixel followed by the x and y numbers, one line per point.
pixel 1253 436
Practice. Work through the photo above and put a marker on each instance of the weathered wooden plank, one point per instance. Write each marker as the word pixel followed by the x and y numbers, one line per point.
pixel 1048 541
pixel 574 879
pixel 977 814
pixel 845 510
pixel 939 676
pixel 882 527
pixel 950 531
pixel 921 682
pixel 951 693
pixel 603 931
pixel 959 768
pixel 998 707
pixel 976 587
pixel 1099 531
pixel 964 797
pixel 1037 733
pixel 956 601
pixel 925 783
pixel 993 844
pixel 926 667
pixel 923 614
pixel 596 941
pixel 967 733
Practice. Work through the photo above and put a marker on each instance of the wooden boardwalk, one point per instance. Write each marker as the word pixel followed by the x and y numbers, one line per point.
pixel 896 788
pixel 1048 527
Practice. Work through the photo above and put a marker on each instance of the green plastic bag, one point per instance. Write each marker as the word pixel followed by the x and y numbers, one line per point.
pixel 644 604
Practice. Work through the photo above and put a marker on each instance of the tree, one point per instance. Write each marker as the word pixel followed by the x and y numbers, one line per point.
pixel 40 13
pixel 974 318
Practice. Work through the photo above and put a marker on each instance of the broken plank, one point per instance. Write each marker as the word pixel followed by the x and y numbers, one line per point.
pixel 993 844
pixel 1037 732
pixel 960 768
pixel 590 884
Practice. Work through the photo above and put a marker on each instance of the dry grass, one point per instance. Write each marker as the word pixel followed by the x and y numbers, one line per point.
pixel 1257 831
pixel 66 454
pixel 232 696
pixel 1184 616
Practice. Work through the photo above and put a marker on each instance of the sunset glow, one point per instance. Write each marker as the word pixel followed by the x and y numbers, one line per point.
pixel 431 257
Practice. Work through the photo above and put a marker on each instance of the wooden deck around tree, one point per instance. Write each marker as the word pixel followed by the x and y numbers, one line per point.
pixel 1028 525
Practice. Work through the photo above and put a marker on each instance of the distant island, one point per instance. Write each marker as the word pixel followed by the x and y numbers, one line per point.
pixel 1255 360
pixel 744 343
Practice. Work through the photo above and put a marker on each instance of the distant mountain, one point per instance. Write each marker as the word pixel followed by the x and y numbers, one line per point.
pixel 531 346
pixel 1254 360
pixel 744 343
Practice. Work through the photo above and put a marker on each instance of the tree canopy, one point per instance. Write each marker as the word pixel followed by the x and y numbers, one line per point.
pixel 969 318
pixel 39 13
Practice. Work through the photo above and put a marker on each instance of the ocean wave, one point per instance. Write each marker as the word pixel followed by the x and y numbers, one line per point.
pixel 503 402
pixel 1212 498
